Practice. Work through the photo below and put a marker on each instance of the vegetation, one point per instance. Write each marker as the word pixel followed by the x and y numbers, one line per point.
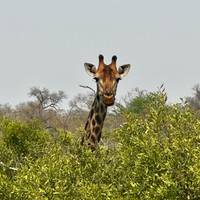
pixel 154 154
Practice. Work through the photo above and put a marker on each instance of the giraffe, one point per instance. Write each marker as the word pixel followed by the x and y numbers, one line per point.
pixel 107 78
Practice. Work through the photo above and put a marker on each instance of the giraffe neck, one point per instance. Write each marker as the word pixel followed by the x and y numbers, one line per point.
pixel 94 124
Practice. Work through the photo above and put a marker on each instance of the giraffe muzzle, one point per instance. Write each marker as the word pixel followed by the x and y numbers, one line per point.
pixel 108 99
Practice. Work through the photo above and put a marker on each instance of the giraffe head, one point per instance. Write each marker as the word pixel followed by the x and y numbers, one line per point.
pixel 107 78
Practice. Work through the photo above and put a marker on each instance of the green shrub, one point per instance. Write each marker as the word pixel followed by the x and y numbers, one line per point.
pixel 156 156
pixel 161 153
pixel 144 101
pixel 23 139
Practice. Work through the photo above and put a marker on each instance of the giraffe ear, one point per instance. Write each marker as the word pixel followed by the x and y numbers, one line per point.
pixel 90 69
pixel 123 70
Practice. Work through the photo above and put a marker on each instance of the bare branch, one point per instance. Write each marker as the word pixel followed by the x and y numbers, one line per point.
pixel 87 87
pixel 11 168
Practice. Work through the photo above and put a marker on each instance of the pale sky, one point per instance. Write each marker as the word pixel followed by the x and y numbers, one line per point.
pixel 44 43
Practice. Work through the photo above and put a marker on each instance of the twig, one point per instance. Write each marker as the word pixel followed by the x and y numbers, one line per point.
pixel 83 86
pixel 11 168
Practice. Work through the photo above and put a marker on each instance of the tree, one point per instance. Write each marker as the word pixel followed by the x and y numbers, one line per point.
pixel 46 99
pixel 6 110
pixel 194 101
pixel 44 107
pixel 139 101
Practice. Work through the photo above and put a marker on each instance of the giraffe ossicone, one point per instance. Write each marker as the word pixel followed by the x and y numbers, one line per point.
pixel 107 78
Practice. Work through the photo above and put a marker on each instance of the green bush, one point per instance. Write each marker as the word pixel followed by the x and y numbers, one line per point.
pixel 143 101
pixel 156 156
pixel 23 139
pixel 161 153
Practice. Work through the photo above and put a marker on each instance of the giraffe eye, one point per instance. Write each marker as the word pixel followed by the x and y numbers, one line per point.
pixel 96 79
pixel 118 79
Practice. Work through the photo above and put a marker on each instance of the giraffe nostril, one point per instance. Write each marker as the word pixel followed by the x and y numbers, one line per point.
pixel 108 94
pixel 107 91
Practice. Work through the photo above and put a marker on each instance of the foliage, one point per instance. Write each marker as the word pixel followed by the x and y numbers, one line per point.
pixel 143 101
pixel 163 149
pixel 156 156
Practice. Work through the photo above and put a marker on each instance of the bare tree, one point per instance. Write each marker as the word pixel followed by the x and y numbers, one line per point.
pixel 44 107
pixel 46 99
pixel 82 102
pixel 194 101
pixel 6 110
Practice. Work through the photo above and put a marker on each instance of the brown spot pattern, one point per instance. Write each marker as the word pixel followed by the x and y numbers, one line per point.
pixel 98 119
